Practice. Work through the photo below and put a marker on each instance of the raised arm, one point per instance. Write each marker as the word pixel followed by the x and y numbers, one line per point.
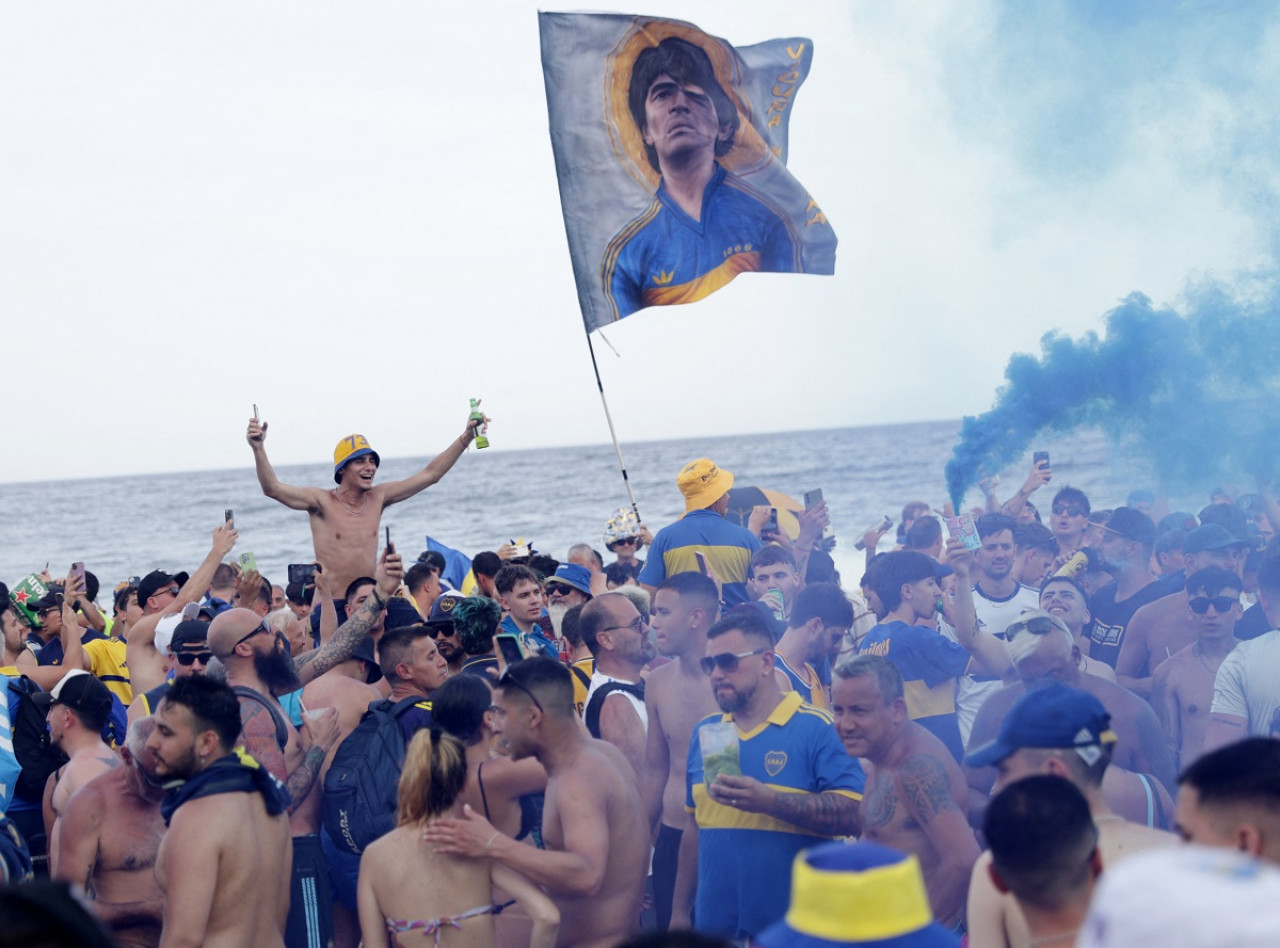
pixel 989 653
pixel 193 590
pixel 349 635
pixel 396 491
pixel 1040 475
pixel 297 498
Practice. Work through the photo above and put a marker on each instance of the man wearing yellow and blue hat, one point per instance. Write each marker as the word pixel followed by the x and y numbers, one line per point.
pixel 345 519
pixel 860 894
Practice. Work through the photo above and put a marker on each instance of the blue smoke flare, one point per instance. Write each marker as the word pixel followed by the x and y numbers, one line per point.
pixel 1195 393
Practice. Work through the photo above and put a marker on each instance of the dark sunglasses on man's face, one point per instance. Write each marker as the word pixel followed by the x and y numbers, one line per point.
pixel 508 680
pixel 627 541
pixel 1071 510
pixel 1037 625
pixel 190 658
pixel 727 661
pixel 1221 604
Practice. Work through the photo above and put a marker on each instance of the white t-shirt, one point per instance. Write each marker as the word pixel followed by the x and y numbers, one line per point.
pixel 1248 684
pixel 995 615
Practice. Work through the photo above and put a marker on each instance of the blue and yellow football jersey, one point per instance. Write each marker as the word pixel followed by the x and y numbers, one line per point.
pixel 665 257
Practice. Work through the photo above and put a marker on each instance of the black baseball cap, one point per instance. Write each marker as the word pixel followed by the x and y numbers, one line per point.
pixel 442 609
pixel 155 581
pixel 79 691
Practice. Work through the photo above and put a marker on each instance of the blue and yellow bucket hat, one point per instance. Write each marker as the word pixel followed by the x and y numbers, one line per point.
pixel 857 894
pixel 349 448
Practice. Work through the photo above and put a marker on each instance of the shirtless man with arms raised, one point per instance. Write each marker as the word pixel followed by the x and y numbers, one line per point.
pixel 223 864
pixel 597 853
pixel 1184 683
pixel 677 697
pixel 345 519
pixel 916 795
pixel 1063 732
pixel 110 835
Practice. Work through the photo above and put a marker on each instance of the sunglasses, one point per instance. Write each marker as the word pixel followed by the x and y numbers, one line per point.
pixel 508 680
pixel 1038 625
pixel 1221 604
pixel 627 541
pixel 1071 510
pixel 727 661
pixel 636 625
pixel 190 658
pixel 262 628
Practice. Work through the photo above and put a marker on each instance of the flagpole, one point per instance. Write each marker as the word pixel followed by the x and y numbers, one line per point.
pixel 622 465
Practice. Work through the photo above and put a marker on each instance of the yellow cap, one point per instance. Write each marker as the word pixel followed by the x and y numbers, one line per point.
pixel 702 483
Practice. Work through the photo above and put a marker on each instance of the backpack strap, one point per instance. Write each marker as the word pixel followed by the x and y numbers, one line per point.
pixel 282 729
pixel 591 713
pixel 581 675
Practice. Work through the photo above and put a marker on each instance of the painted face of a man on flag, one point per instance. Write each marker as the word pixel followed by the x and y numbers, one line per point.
pixel 687 186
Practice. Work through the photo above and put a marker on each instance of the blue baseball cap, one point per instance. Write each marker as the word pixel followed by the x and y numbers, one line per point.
pixel 573 574
pixel 1055 715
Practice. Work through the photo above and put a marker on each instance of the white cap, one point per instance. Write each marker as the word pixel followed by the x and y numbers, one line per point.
pixel 1185 897
pixel 164 632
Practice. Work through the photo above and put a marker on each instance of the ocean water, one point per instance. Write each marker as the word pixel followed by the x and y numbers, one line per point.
pixel 552 497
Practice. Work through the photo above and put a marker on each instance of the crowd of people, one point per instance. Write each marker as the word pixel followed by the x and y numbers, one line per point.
pixel 715 739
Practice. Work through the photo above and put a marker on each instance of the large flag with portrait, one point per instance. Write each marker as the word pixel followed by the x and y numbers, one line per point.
pixel 671 153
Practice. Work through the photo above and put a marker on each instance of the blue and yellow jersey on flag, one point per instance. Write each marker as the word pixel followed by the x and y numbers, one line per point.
pixel 929 663
pixel 727 547
pixel 744 859
pixel 665 257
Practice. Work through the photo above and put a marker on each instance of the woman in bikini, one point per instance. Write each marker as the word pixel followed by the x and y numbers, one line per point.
pixel 508 792
pixel 411 896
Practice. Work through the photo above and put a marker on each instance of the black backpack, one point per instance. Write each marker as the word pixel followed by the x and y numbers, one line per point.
pixel 360 787
pixel 32 745
pixel 591 713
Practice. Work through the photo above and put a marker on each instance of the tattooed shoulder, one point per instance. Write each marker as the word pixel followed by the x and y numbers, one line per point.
pixel 925 787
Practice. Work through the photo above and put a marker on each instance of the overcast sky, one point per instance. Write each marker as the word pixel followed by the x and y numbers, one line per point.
pixel 347 212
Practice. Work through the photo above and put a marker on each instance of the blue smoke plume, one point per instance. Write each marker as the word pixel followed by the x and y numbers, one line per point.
pixel 1195 392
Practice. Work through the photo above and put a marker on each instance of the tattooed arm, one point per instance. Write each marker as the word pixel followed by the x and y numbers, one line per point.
pixel 830 813
pixel 926 794
pixel 342 646
pixel 304 777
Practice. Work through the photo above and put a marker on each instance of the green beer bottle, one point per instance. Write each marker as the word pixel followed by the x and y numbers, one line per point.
pixel 477 415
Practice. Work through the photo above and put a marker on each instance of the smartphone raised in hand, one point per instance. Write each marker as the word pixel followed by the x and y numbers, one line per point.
pixel 1039 458
pixel 228 515
pixel 509 646
pixel 77 573
pixel 390 547
pixel 248 562
pixel 302 573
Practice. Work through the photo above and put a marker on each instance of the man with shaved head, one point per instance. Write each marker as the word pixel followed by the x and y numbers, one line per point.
pixel 259 667
pixel 110 835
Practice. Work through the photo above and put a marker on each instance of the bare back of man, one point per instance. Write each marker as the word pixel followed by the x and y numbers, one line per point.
pixel 596 796
pixel 676 702
pixel 995 921
pixel 225 859
pixel 84 765
pixel 289 765
pixel 915 803
pixel 109 841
